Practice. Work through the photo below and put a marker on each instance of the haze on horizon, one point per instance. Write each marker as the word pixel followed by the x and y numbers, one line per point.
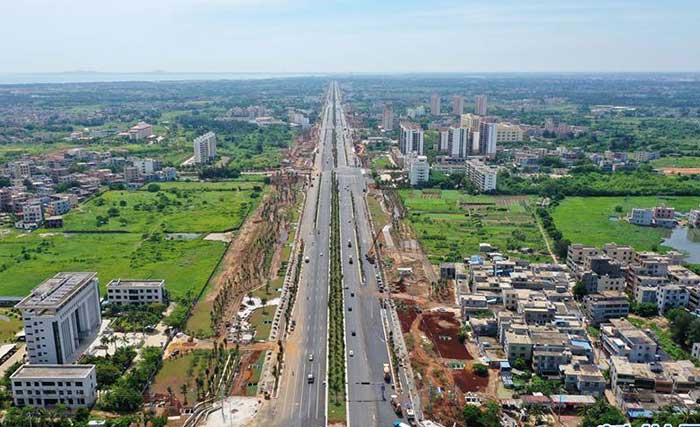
pixel 307 36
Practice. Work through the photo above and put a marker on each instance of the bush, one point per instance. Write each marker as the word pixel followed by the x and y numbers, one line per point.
pixel 153 188
pixel 480 370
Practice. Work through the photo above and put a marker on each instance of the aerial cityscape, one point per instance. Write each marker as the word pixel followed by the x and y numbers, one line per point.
pixel 259 213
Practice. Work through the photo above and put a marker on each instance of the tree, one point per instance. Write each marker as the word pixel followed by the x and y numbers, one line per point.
pixel 183 390
pixel 580 290
pixel 647 309
pixel 601 413
pixel 153 188
pixel 480 369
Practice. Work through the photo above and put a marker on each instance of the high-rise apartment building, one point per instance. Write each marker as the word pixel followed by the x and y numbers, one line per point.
pixel 418 169
pixel 61 316
pixel 457 105
pixel 388 117
pixel 489 138
pixel 410 138
pixel 480 105
pixel 459 142
pixel 435 104
pixel 205 148
pixel 444 140
pixel 471 121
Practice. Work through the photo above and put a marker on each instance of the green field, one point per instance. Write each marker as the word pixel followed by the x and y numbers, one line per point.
pixel 181 209
pixel 261 320
pixel 141 249
pixel 28 259
pixel 252 390
pixel 10 324
pixel 676 162
pixel 382 162
pixel 587 220
pixel 450 224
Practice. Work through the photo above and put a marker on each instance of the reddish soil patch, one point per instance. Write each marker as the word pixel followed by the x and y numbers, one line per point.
pixel 241 381
pixel 442 329
pixel 407 315
pixel 468 381
pixel 681 171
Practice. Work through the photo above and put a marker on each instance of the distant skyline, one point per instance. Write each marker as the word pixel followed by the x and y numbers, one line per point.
pixel 348 36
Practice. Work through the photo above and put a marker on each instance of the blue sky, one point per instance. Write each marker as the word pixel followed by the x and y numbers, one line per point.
pixel 349 35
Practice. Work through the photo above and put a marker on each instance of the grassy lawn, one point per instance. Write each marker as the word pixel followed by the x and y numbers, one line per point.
pixel 261 320
pixel 252 390
pixel 181 370
pixel 193 211
pixel 587 220
pixel 10 324
pixel 676 162
pixel 379 217
pixel 381 162
pixel 271 292
pixel 336 411
pixel 664 335
pixel 243 183
pixel 28 259
pixel 450 224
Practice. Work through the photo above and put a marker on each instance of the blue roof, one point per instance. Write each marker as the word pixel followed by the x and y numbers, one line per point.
pixel 475 259
pixel 505 364
pixel 580 343
pixel 640 413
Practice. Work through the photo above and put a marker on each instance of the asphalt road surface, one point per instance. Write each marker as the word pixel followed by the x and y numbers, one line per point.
pixel 301 403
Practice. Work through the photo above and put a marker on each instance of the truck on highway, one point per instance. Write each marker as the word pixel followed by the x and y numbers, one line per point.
pixel 349 243
pixel 387 373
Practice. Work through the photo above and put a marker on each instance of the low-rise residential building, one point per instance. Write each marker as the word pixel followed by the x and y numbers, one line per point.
pixel 46 386
pixel 140 131
pixel 671 296
pixel 620 338
pixel 482 176
pixel 605 306
pixel 583 378
pixel 128 291
pixel 623 254
pixel 576 253
pixel 517 346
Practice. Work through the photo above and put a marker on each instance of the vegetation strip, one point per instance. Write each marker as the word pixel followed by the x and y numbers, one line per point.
pixel 336 327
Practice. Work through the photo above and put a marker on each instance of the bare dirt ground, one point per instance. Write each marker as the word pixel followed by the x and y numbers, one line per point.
pixel 442 330
pixel 680 171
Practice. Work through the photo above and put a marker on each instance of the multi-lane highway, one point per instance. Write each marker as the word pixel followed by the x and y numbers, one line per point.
pixel 301 402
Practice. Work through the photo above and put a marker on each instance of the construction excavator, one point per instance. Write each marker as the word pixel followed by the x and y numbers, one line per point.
pixel 370 255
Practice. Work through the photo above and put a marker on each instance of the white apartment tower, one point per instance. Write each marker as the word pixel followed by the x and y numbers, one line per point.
pixel 205 148
pixel 410 138
pixel 459 142
pixel 435 104
pixel 418 169
pixel 480 105
pixel 61 316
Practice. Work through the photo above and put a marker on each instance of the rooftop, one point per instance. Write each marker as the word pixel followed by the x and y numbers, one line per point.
pixel 136 283
pixel 28 371
pixel 54 292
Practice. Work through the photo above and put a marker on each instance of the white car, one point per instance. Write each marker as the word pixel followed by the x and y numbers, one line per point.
pixel 311 357
pixel 352 353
